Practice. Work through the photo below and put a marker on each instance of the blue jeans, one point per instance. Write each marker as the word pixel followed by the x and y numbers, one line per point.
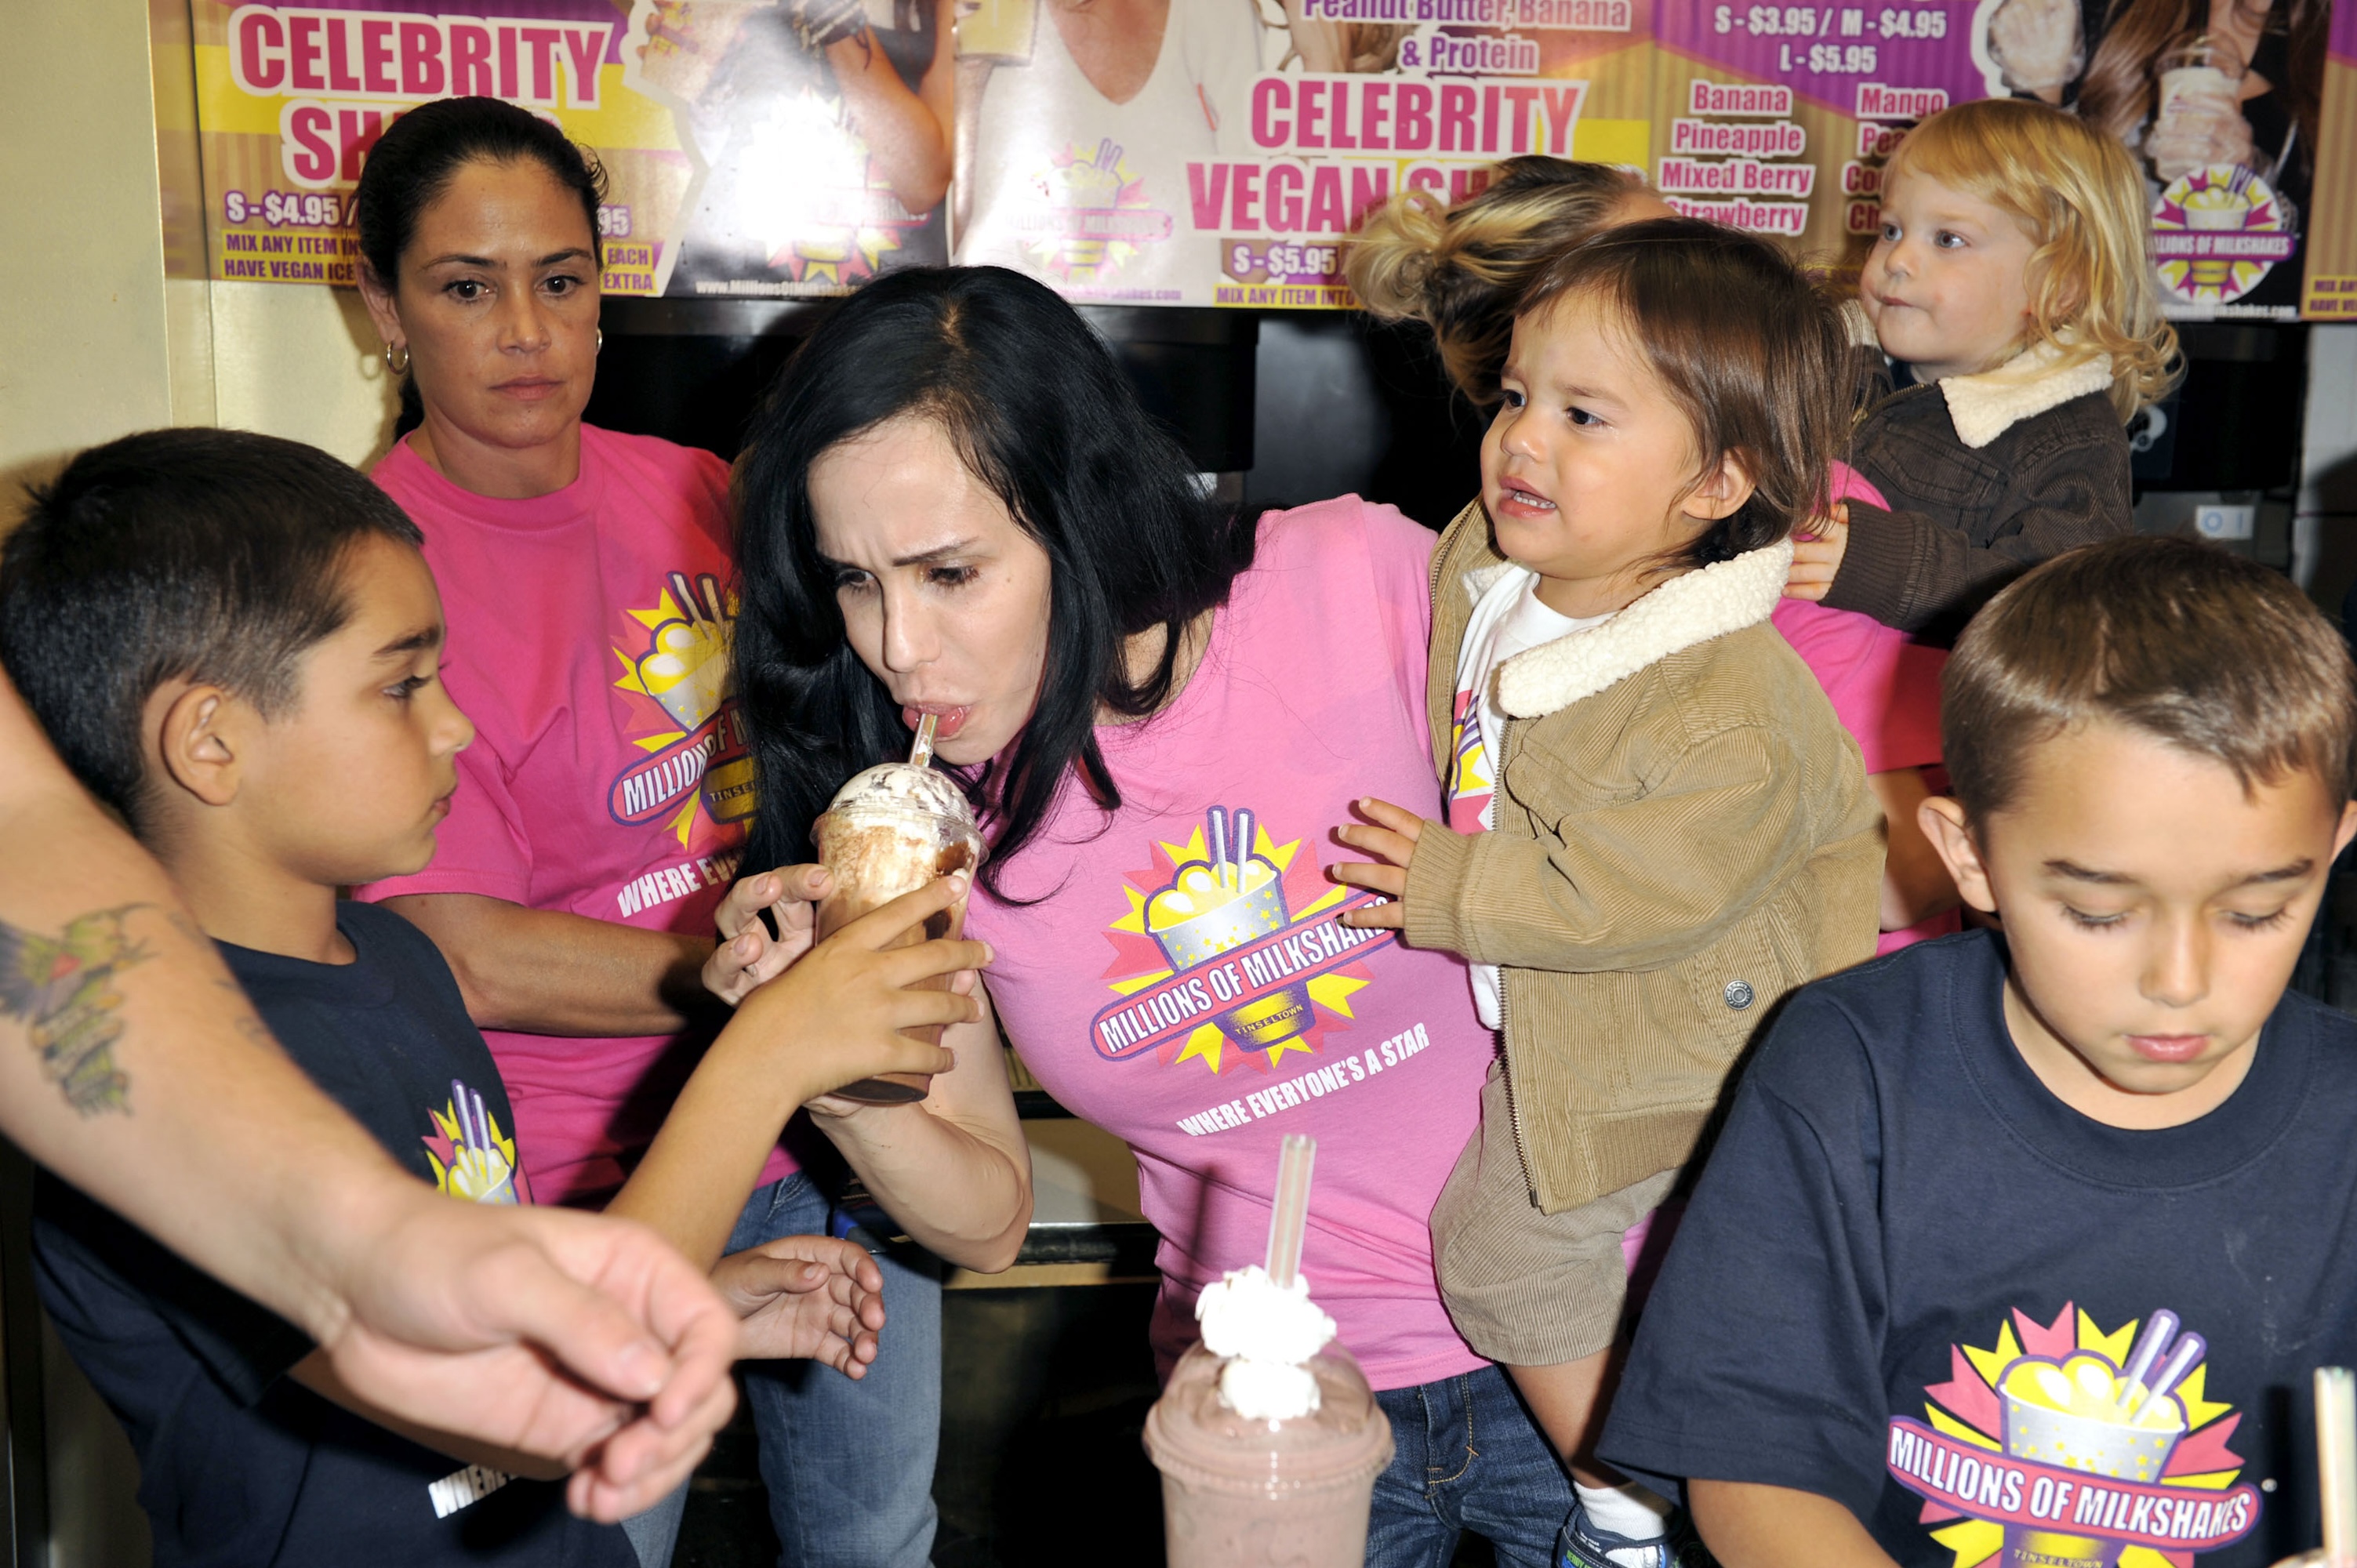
pixel 1467 1456
pixel 849 1466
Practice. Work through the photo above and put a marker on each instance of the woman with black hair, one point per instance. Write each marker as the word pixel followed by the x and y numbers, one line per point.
pixel 954 505
pixel 600 810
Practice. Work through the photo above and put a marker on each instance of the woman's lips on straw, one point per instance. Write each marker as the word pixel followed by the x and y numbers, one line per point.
pixel 947 723
pixel 2168 1048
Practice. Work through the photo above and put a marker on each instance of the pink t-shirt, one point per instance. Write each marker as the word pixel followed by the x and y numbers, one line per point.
pixel 1183 983
pixel 589 634
pixel 1884 689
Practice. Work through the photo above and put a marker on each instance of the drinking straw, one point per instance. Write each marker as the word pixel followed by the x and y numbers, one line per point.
pixel 1218 819
pixel 2336 1462
pixel 921 754
pixel 1292 1213
pixel 1243 845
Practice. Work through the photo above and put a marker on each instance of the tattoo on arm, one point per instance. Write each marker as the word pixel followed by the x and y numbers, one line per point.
pixel 64 988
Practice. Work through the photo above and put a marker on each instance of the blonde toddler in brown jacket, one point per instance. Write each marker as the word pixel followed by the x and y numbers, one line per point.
pixel 1678 830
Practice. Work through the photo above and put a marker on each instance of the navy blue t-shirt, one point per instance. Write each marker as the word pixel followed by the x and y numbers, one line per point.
pixel 1913 1281
pixel 240 1465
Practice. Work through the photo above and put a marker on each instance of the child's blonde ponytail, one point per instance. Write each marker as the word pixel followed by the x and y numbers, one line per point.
pixel 1461 271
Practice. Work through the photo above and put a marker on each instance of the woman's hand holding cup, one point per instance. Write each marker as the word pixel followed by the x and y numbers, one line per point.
pixel 748 956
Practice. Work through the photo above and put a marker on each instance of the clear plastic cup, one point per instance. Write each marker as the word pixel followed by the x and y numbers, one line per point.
pixel 888 834
pixel 1241 1493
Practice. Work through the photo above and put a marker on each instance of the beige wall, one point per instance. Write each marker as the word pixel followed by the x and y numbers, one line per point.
pixel 82 284
pixel 300 360
pixel 96 339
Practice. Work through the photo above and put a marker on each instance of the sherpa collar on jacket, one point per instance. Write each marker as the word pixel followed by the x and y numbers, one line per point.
pixel 2046 375
pixel 1694 608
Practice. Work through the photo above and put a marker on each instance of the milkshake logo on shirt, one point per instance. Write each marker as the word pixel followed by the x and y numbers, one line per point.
pixel 678 674
pixel 472 1159
pixel 1230 953
pixel 2064 1447
pixel 1090 215
pixel 1471 782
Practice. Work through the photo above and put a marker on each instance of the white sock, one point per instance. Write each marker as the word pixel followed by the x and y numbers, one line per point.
pixel 1631 1511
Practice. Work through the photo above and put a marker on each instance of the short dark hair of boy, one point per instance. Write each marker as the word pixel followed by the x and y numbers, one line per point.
pixel 1752 350
pixel 2210 652
pixel 211 555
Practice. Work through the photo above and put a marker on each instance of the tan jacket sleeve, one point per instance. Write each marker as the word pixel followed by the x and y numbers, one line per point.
pixel 1632 885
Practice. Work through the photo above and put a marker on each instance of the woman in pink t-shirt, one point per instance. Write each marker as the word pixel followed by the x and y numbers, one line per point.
pixel 600 812
pixel 954 505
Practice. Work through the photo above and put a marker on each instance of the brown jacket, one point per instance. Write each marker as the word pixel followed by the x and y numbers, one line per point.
pixel 1684 834
pixel 1986 476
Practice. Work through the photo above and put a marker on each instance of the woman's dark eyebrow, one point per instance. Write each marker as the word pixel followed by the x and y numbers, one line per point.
pixel 922 558
pixel 938 552
pixel 571 254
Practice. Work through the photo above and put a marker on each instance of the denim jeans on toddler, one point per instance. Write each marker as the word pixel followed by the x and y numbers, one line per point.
pixel 849 1466
pixel 1466 1456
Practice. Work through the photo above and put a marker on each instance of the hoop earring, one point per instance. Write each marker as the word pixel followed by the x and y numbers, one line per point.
pixel 402 368
pixel 600 346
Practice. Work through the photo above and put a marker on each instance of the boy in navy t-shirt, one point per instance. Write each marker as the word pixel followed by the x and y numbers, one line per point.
pixel 2020 1249
pixel 234 641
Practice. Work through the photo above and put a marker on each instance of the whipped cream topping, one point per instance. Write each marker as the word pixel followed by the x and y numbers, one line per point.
pixel 1268 1332
pixel 896 788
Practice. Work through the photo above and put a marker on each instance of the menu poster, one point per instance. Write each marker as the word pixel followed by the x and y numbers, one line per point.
pixel 1219 151
pixel 735 134
pixel 1776 119
pixel 821 134
pixel 1781 95
pixel 290 99
pixel 2332 236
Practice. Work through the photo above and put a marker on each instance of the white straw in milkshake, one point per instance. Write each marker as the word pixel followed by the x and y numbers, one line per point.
pixel 2336 1463
pixel 1290 1219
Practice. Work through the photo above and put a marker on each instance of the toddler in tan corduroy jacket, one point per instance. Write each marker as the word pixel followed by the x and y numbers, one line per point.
pixel 1658 826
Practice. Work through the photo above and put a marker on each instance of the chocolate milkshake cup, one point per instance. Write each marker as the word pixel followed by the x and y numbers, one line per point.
pixel 890 832
pixel 1244 1493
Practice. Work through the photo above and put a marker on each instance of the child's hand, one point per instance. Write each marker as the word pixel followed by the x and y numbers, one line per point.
pixel 1391 841
pixel 1818 547
pixel 808 1296
pixel 837 1015
pixel 747 956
